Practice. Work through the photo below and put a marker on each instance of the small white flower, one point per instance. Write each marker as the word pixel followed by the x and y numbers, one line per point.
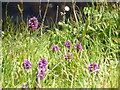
pixel 67 8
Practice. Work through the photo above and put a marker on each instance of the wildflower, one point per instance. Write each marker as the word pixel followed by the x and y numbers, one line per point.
pixel 0 88
pixel 40 74
pixel 25 85
pixel 78 46
pixel 33 23
pixel 93 66
pixel 43 63
pixel 69 56
pixel 55 47
pixel 42 68
pixel 26 64
pixel 68 44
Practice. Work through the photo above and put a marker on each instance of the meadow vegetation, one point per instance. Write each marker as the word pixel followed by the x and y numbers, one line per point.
pixel 97 31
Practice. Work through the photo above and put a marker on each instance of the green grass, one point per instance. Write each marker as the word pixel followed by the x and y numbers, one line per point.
pixel 98 33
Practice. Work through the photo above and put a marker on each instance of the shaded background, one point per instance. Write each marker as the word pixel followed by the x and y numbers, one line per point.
pixel 37 9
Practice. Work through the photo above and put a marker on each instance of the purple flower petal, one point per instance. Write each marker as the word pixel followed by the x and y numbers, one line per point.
pixel 40 74
pixel 93 66
pixel 26 64
pixel 66 57
pixel 55 47
pixel 33 23
pixel 43 63
pixel 78 46
pixel 67 44
pixel 69 56
pixel 25 85
pixel 42 69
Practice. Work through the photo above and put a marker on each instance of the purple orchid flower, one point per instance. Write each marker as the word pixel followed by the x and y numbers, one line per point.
pixel 93 66
pixel 78 46
pixel 69 56
pixel 55 47
pixel 67 44
pixel 33 23
pixel 26 64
